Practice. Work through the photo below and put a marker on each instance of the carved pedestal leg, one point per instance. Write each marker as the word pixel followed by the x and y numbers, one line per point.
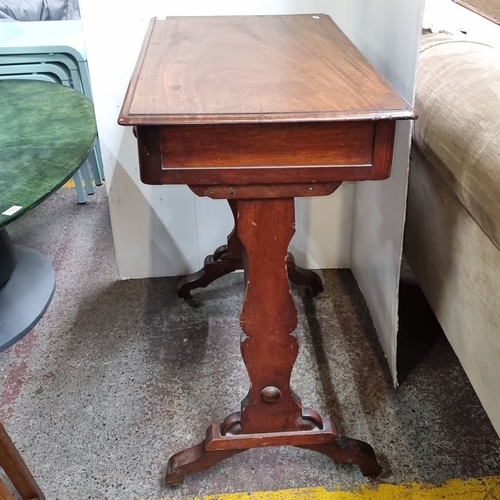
pixel 304 277
pixel 271 414
pixel 229 258
pixel 269 346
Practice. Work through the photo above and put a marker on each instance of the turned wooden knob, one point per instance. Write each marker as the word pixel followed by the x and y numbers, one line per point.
pixel 270 394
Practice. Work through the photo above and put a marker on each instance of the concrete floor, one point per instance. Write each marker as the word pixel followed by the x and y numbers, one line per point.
pixel 118 375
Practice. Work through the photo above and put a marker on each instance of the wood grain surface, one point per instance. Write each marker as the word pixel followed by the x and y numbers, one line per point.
pixel 240 154
pixel 254 69
pixel 270 144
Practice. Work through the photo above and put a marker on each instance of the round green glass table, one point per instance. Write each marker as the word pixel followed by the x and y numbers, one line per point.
pixel 47 131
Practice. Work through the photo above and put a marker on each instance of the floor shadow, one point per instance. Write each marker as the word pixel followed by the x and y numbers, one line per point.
pixel 419 329
pixel 327 386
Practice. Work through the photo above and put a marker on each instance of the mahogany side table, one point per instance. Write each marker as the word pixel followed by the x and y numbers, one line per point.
pixel 259 110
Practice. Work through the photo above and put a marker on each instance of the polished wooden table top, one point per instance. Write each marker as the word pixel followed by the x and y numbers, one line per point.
pixel 259 100
pixel 46 133
pixel 254 69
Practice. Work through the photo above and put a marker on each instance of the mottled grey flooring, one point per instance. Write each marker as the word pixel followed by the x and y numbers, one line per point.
pixel 118 375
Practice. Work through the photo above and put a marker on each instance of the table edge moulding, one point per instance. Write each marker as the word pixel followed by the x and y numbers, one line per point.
pixel 259 110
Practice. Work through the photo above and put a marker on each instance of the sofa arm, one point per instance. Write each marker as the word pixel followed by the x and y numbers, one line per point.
pixel 458 100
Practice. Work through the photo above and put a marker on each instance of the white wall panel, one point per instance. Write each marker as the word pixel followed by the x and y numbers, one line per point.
pixel 445 15
pixel 390 39
pixel 165 230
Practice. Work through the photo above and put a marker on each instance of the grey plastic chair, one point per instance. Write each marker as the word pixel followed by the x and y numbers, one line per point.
pixel 20 69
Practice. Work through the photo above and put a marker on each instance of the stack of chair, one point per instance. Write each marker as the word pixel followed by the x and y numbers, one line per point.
pixel 52 51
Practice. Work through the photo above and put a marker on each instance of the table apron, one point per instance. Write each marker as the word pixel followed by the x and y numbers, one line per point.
pixel 241 154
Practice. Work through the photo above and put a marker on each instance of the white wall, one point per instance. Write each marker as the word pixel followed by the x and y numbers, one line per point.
pixel 390 38
pixel 445 15
pixel 166 230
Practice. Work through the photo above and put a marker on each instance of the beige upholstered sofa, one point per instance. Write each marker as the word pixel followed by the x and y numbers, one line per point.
pixel 452 239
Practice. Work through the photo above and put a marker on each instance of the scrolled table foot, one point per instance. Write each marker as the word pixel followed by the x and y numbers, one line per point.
pixel 212 270
pixel 371 471
pixel 195 459
pixel 304 277
pixel 174 478
pixel 227 439
pixel 221 253
pixel 346 450
pixel 192 302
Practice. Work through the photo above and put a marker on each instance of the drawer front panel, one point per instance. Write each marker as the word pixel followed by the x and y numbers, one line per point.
pixel 352 151
pixel 267 145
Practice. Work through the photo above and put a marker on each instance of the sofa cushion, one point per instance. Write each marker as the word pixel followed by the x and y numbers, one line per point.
pixel 458 130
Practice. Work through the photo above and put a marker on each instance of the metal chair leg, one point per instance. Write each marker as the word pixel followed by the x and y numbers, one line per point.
pixel 80 191
pixel 85 170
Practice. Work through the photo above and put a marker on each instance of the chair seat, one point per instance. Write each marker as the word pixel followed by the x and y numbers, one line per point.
pixel 458 100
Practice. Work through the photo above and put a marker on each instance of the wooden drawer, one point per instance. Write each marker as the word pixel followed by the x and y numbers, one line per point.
pixel 244 153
